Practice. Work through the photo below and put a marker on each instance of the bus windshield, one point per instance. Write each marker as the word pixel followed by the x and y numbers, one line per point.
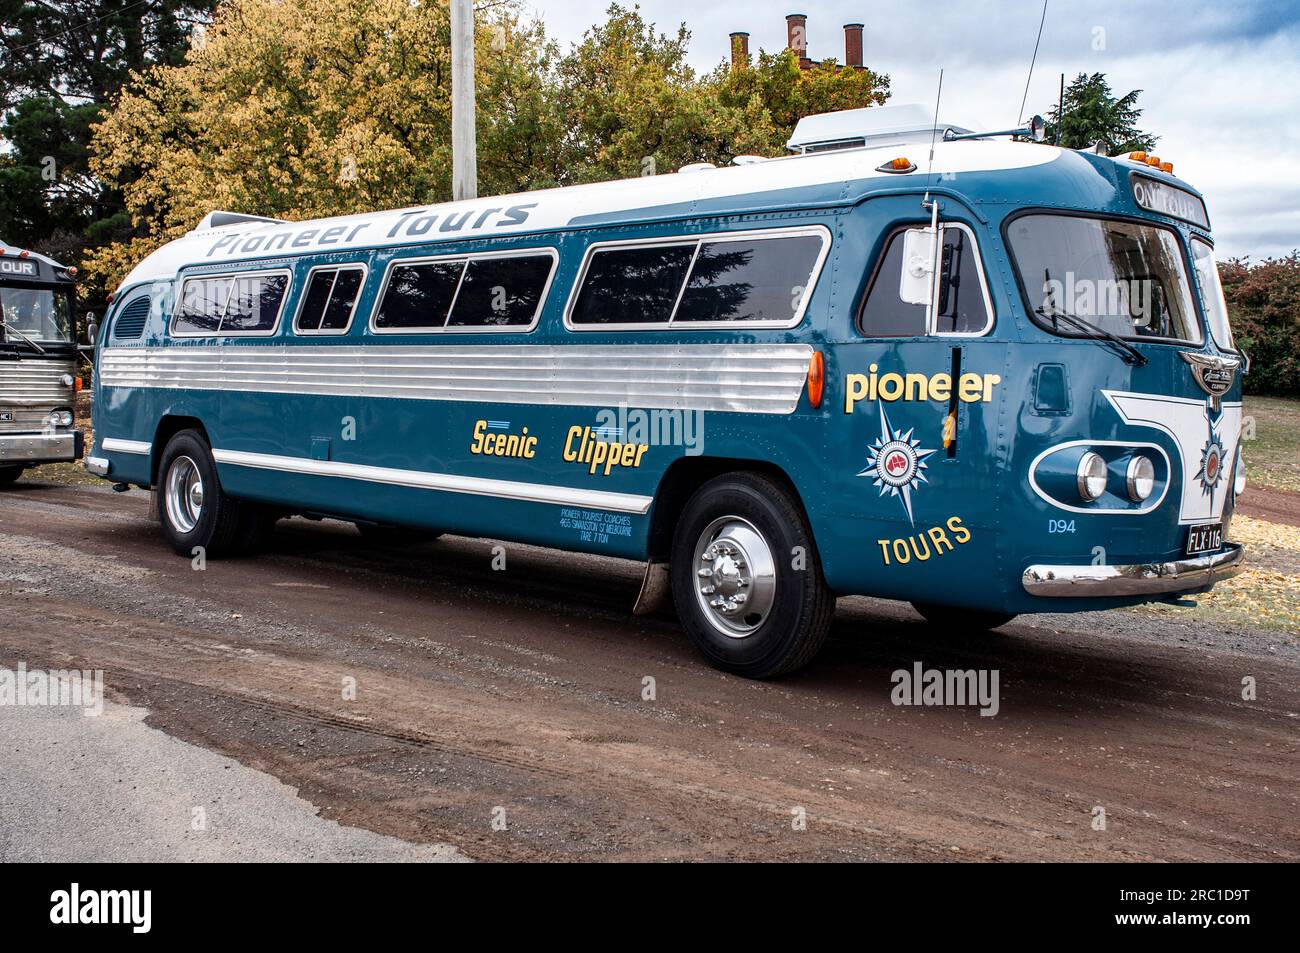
pixel 42 314
pixel 1125 277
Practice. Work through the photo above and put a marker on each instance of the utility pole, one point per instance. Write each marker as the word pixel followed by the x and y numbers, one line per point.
pixel 464 147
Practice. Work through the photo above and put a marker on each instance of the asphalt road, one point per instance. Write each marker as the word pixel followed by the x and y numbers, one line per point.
pixel 417 693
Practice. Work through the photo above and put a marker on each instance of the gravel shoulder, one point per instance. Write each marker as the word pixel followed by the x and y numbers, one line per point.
pixel 417 694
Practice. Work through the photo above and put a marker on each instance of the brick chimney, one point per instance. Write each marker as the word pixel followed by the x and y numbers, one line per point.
pixel 853 45
pixel 739 49
pixel 796 32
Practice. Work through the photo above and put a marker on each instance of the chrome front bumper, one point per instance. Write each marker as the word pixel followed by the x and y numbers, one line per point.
pixel 1139 579
pixel 34 448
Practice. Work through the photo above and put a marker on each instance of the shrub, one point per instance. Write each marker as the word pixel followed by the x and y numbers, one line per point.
pixel 1264 305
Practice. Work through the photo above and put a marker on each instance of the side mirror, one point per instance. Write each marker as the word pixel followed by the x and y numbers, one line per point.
pixel 915 285
pixel 92 329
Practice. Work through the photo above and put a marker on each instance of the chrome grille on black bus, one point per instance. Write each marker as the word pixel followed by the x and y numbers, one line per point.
pixel 29 390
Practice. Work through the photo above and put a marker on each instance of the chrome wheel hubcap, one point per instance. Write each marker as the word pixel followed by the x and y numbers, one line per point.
pixel 184 495
pixel 735 576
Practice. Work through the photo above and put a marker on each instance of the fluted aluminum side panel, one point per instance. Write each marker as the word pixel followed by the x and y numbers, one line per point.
pixel 740 378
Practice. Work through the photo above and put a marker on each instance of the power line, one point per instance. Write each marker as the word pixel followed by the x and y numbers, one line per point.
pixel 79 26
pixel 1032 61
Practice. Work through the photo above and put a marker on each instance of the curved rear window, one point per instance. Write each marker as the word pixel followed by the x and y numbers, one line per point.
pixel 1127 277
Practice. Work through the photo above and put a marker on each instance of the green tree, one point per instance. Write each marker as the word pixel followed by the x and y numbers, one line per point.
pixel 60 66
pixel 1091 114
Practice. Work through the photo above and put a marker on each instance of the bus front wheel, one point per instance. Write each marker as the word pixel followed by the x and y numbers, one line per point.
pixel 746 577
pixel 195 513
pixel 9 475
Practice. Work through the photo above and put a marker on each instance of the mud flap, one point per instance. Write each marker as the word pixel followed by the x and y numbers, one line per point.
pixel 656 590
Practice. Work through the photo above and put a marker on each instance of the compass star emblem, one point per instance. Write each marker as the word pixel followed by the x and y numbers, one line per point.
pixel 1211 470
pixel 896 463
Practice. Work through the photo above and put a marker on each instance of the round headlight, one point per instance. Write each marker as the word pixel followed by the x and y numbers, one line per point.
pixel 59 418
pixel 1239 481
pixel 1141 478
pixel 1091 476
pixel 67 380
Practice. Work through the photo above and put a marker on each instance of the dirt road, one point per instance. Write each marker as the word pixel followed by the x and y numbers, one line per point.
pixel 518 697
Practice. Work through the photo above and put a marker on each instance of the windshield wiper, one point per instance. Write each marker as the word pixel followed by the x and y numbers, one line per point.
pixel 1096 332
pixel 13 330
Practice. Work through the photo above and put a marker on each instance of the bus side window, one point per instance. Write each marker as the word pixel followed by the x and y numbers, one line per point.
pixel 330 300
pixel 962 305
pixel 884 312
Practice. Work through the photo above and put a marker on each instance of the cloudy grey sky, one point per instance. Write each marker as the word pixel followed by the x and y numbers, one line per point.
pixel 1220 78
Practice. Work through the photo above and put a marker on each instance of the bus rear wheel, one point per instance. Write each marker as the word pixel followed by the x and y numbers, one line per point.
pixel 746 578
pixel 195 513
pixel 9 475
pixel 972 620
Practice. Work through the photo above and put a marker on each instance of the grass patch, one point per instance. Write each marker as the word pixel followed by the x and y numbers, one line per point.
pixel 1267 594
pixel 1271 442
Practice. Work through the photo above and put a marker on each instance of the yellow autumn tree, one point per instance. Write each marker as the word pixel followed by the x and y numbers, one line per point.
pixel 307 108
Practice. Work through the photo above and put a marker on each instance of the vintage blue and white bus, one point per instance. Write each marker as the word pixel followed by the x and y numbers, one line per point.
pixel 38 362
pixel 993 381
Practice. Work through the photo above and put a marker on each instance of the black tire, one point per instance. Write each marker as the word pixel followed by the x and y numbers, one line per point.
pixel 220 524
pixel 785 637
pixel 970 620
pixel 9 475
pixel 381 534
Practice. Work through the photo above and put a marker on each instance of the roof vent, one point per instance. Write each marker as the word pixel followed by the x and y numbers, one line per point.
pixel 874 126
pixel 219 219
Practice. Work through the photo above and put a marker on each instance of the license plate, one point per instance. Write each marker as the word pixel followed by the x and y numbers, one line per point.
pixel 1204 539
pixel 6 416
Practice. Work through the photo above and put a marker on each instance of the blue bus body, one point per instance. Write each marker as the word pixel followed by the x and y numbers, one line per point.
pixel 937 468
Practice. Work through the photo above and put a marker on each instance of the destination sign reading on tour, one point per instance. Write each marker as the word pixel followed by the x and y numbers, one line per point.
pixel 1169 200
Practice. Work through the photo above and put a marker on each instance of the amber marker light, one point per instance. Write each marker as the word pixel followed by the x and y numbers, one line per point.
pixel 816 379
pixel 897 166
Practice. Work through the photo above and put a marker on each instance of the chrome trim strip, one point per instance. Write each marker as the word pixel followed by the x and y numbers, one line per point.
pixel 1138 579
pixel 735 378
pixel 447 482
pixel 97 466
pixel 114 445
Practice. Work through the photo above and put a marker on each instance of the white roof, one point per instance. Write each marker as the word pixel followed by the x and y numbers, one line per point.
pixel 550 209
pixel 877 125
